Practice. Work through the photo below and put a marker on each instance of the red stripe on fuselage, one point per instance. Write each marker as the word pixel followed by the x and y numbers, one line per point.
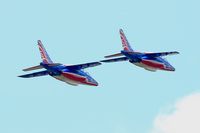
pixel 153 64
pixel 74 77
pixel 78 78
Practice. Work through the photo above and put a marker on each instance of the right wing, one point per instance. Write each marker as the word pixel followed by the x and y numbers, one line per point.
pixel 115 60
pixel 36 74
pixel 161 54
pixel 83 66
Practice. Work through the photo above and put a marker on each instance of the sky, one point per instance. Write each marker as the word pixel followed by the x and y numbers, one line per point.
pixel 128 99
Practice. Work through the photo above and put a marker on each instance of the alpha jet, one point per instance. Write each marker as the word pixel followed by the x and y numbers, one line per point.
pixel 71 74
pixel 148 61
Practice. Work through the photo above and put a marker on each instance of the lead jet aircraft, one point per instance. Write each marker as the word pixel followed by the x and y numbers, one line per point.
pixel 71 74
pixel 148 61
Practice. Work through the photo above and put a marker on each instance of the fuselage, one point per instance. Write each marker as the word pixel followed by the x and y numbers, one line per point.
pixel 70 76
pixel 147 62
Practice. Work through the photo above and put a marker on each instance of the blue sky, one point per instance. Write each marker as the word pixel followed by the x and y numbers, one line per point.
pixel 128 98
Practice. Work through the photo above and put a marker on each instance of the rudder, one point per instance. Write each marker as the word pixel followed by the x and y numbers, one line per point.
pixel 125 42
pixel 44 55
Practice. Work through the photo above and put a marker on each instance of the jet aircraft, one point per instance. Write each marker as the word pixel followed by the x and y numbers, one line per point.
pixel 148 61
pixel 71 74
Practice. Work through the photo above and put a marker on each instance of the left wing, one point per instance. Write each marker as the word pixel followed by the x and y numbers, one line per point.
pixel 161 54
pixel 36 74
pixel 83 66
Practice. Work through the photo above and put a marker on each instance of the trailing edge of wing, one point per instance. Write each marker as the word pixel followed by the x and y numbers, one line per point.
pixel 161 54
pixel 36 74
pixel 115 60
pixel 83 66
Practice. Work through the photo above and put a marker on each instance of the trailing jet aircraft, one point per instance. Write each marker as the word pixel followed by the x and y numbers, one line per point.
pixel 148 61
pixel 71 74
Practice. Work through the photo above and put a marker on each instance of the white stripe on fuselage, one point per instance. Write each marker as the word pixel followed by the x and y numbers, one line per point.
pixel 66 80
pixel 145 66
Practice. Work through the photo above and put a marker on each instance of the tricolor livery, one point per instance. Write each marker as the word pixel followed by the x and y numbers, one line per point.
pixel 148 61
pixel 71 74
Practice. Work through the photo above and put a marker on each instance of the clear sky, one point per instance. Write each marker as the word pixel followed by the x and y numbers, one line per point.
pixel 128 98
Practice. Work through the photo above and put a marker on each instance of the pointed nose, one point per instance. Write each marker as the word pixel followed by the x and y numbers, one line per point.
pixel 92 82
pixel 95 83
pixel 169 67
pixel 173 69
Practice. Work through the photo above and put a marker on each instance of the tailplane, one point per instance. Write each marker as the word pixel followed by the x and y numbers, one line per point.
pixel 40 66
pixel 44 55
pixel 33 68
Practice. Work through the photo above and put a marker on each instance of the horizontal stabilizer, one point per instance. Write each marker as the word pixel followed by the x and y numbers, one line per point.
pixel 115 60
pixel 33 68
pixel 83 66
pixel 55 64
pixel 40 67
pixel 114 55
pixel 36 74
pixel 161 54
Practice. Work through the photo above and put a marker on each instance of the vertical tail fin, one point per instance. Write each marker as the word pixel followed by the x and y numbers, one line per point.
pixel 44 55
pixel 125 42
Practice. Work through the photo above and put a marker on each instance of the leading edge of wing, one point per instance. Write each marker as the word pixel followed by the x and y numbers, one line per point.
pixel 83 66
pixel 115 60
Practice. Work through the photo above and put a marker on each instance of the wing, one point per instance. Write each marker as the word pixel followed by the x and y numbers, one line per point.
pixel 161 54
pixel 115 59
pixel 36 74
pixel 83 66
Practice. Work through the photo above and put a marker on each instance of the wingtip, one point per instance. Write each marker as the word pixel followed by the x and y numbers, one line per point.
pixel 24 70
pixel 20 76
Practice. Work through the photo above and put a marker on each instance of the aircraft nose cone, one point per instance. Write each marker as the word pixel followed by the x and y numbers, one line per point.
pixel 172 68
pixel 95 83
